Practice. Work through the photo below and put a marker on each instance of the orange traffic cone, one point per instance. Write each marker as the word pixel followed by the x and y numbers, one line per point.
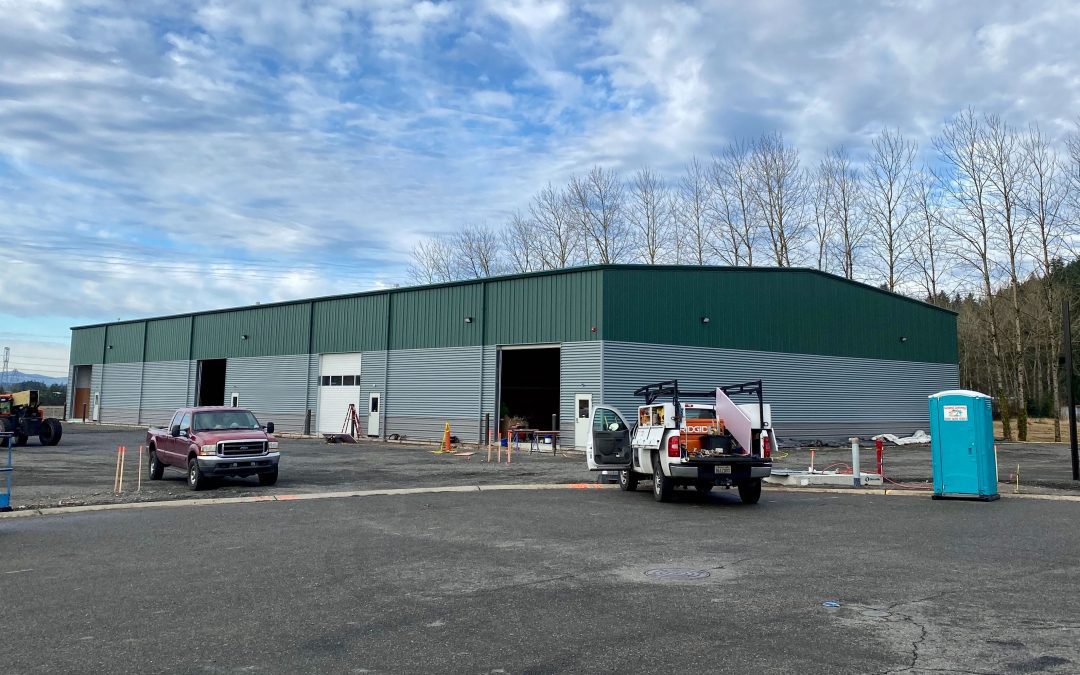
pixel 446 438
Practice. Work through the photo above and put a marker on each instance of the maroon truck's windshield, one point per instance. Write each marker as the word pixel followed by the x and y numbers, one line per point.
pixel 225 419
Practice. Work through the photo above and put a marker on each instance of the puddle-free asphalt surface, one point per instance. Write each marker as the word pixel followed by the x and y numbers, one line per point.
pixel 546 581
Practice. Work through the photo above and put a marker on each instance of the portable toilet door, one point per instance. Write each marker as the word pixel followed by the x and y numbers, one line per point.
pixel 962 445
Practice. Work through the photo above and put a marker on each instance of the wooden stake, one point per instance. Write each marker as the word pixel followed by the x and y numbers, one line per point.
pixel 123 456
pixel 116 474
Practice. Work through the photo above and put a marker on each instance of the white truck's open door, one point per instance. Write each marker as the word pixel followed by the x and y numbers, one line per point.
pixel 608 448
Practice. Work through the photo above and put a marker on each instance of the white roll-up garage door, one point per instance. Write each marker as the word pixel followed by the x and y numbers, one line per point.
pixel 339 385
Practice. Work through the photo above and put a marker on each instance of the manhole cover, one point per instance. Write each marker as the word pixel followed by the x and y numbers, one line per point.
pixel 676 573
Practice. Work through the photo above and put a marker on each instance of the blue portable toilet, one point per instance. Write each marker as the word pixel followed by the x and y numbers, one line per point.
pixel 962 445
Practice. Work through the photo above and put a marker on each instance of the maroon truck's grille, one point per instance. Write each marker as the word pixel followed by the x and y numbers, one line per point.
pixel 238 448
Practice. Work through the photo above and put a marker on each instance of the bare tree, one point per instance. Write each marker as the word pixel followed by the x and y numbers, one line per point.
pixel 849 229
pixel 693 197
pixel 779 189
pixel 433 261
pixel 649 213
pixel 521 245
pixel 821 196
pixel 1001 153
pixel 477 249
pixel 889 183
pixel 967 183
pixel 928 235
pixel 737 218
pixel 1043 200
pixel 599 203
pixel 558 237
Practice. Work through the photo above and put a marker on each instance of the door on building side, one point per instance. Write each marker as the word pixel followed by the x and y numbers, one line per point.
pixel 582 407
pixel 374 405
pixel 80 403
pixel 339 387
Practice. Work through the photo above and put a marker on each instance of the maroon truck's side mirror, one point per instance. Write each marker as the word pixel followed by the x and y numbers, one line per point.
pixel 174 431
pixel 269 427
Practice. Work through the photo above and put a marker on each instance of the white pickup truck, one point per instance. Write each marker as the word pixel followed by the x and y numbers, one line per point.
pixel 712 441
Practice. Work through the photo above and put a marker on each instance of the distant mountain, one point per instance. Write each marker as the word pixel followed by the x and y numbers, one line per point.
pixel 17 376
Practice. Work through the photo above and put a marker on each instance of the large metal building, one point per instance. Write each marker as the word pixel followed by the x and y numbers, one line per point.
pixel 838 358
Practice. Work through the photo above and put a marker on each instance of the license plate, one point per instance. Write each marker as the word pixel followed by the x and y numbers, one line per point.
pixel 723 469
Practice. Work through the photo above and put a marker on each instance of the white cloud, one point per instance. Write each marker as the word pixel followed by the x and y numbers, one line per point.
pixel 294 148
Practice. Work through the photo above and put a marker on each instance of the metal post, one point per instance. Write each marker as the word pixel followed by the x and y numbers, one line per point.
pixel 487 428
pixel 307 422
pixel 555 434
pixel 1067 326
pixel 856 472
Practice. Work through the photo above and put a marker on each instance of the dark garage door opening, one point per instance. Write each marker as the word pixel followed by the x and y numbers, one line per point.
pixel 529 385
pixel 211 382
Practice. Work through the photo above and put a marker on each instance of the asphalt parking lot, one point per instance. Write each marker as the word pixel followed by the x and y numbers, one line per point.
pixel 546 581
pixel 82 468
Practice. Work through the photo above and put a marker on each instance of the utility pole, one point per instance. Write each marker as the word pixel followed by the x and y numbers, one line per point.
pixel 7 358
pixel 1067 327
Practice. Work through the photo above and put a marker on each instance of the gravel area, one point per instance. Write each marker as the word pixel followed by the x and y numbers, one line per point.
pixel 81 469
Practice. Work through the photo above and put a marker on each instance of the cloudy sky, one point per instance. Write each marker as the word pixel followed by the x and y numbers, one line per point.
pixel 165 156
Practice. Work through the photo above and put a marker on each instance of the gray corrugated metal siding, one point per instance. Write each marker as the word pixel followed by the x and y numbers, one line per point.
pixel 372 381
pixel 273 387
pixel 429 387
pixel 164 390
pixel 580 373
pixel 808 393
pixel 121 387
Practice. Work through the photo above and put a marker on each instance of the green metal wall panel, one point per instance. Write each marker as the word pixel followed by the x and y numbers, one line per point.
pixel 124 342
pixel 168 339
pixel 435 317
pixel 557 308
pixel 354 324
pixel 87 345
pixel 278 329
pixel 794 311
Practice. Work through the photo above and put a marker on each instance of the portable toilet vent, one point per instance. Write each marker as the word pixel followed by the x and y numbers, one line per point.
pixel 962 445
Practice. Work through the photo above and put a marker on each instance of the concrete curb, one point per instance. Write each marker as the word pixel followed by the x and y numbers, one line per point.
pixel 309 496
pixel 172 503
pixel 893 492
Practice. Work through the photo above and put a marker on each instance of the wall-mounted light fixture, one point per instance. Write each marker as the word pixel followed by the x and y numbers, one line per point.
pixel 903 338
pixel 110 346
pixel 243 336
pixel 468 319
pixel 705 320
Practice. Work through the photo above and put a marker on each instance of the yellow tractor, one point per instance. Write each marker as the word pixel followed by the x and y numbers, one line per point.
pixel 21 416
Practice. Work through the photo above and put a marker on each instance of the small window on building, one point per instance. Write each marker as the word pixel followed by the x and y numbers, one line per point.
pixel 348 380
pixel 335 380
pixel 326 380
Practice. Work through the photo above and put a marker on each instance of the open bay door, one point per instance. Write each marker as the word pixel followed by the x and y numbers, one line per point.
pixel 609 441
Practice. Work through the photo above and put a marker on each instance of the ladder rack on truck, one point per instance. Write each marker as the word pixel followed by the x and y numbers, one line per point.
pixel 651 392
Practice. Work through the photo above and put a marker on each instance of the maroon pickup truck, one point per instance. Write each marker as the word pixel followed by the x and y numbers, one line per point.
pixel 212 442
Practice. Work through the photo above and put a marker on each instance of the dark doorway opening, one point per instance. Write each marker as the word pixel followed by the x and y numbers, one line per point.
pixel 529 385
pixel 211 382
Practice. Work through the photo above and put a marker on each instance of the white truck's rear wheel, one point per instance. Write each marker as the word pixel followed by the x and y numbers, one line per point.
pixel 750 491
pixel 663 486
